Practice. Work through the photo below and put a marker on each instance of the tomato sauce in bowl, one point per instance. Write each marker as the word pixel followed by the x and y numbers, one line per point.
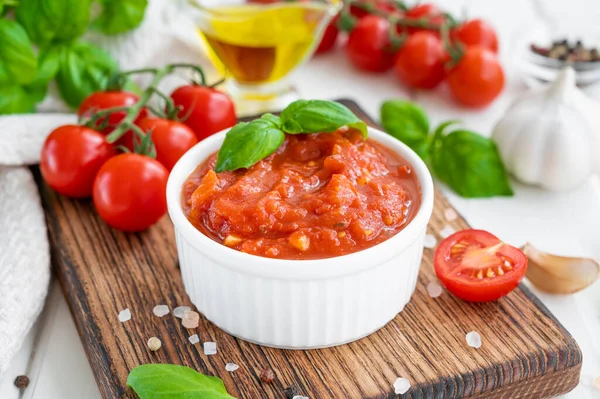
pixel 319 196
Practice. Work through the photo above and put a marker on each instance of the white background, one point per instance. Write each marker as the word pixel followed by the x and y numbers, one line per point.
pixel 568 223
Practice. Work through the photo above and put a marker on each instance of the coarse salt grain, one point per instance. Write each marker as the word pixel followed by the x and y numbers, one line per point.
pixel 474 339
pixel 450 215
pixel 434 289
pixel 210 348
pixel 179 311
pixel 124 315
pixel 231 367
pixel 161 310
pixel 194 339
pixel 447 231
pixel 300 397
pixel 429 241
pixel 190 319
pixel 401 386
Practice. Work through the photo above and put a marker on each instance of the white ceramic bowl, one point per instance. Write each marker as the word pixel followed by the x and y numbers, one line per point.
pixel 299 304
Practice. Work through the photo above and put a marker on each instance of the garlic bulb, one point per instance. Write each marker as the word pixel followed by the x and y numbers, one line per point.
pixel 551 136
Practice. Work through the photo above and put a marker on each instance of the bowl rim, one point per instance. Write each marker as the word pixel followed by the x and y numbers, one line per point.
pixel 287 269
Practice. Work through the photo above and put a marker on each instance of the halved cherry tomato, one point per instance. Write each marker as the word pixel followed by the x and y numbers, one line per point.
pixel 476 266
pixel 171 138
pixel 368 46
pixel 477 79
pixel 111 99
pixel 420 62
pixel 204 109
pixel 329 39
pixel 477 32
pixel 130 192
pixel 429 12
pixel 71 157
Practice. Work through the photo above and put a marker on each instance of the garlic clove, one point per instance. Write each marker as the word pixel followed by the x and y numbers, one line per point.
pixel 559 274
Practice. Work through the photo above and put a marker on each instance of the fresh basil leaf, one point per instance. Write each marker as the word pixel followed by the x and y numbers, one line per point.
pixel 169 381
pixel 119 16
pixel 16 99
pixel 84 68
pixel 273 119
pixel 470 164
pixel 247 143
pixel 314 116
pixel 408 123
pixel 18 63
pixel 53 21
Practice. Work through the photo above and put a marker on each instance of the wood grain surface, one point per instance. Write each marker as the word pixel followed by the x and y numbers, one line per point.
pixel 525 353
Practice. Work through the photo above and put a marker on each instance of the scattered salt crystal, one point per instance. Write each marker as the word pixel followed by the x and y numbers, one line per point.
pixel 300 397
pixel 401 386
pixel 474 339
pixel 450 215
pixel 161 310
pixel 434 289
pixel 231 367
pixel 194 339
pixel 597 383
pixel 124 315
pixel 190 319
pixel 447 231
pixel 179 311
pixel 429 241
pixel 210 348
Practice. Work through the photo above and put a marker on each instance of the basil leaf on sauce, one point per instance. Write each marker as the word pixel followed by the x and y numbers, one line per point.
pixel 315 116
pixel 408 123
pixel 470 164
pixel 170 381
pixel 247 143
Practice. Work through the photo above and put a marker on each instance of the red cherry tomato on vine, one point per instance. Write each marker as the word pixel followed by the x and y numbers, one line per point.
pixel 205 110
pixel 420 62
pixel 172 139
pixel 477 79
pixel 130 192
pixel 329 39
pixel 477 32
pixel 368 46
pixel 71 157
pixel 476 266
pixel 426 11
pixel 111 99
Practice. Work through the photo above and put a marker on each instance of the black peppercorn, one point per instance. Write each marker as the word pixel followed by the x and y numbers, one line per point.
pixel 291 391
pixel 22 381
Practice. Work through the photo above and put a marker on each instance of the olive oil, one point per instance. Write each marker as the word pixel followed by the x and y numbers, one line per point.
pixel 257 44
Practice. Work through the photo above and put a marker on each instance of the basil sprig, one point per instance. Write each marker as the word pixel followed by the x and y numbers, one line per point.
pixel 468 162
pixel 170 381
pixel 247 143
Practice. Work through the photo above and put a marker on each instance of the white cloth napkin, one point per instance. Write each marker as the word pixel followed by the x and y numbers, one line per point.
pixel 166 35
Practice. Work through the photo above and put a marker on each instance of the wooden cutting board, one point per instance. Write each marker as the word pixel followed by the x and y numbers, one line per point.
pixel 525 353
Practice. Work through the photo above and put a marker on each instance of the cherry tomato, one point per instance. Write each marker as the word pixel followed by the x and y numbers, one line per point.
pixel 111 99
pixel 477 32
pixel 71 156
pixel 329 39
pixel 130 192
pixel 420 62
pixel 205 110
pixel 368 45
pixel 476 266
pixel 477 79
pixel 381 5
pixel 426 11
pixel 172 139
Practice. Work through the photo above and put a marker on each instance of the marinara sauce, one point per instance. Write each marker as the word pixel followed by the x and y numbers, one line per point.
pixel 319 196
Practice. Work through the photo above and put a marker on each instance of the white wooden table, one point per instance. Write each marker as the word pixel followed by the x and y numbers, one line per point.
pixel 567 223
